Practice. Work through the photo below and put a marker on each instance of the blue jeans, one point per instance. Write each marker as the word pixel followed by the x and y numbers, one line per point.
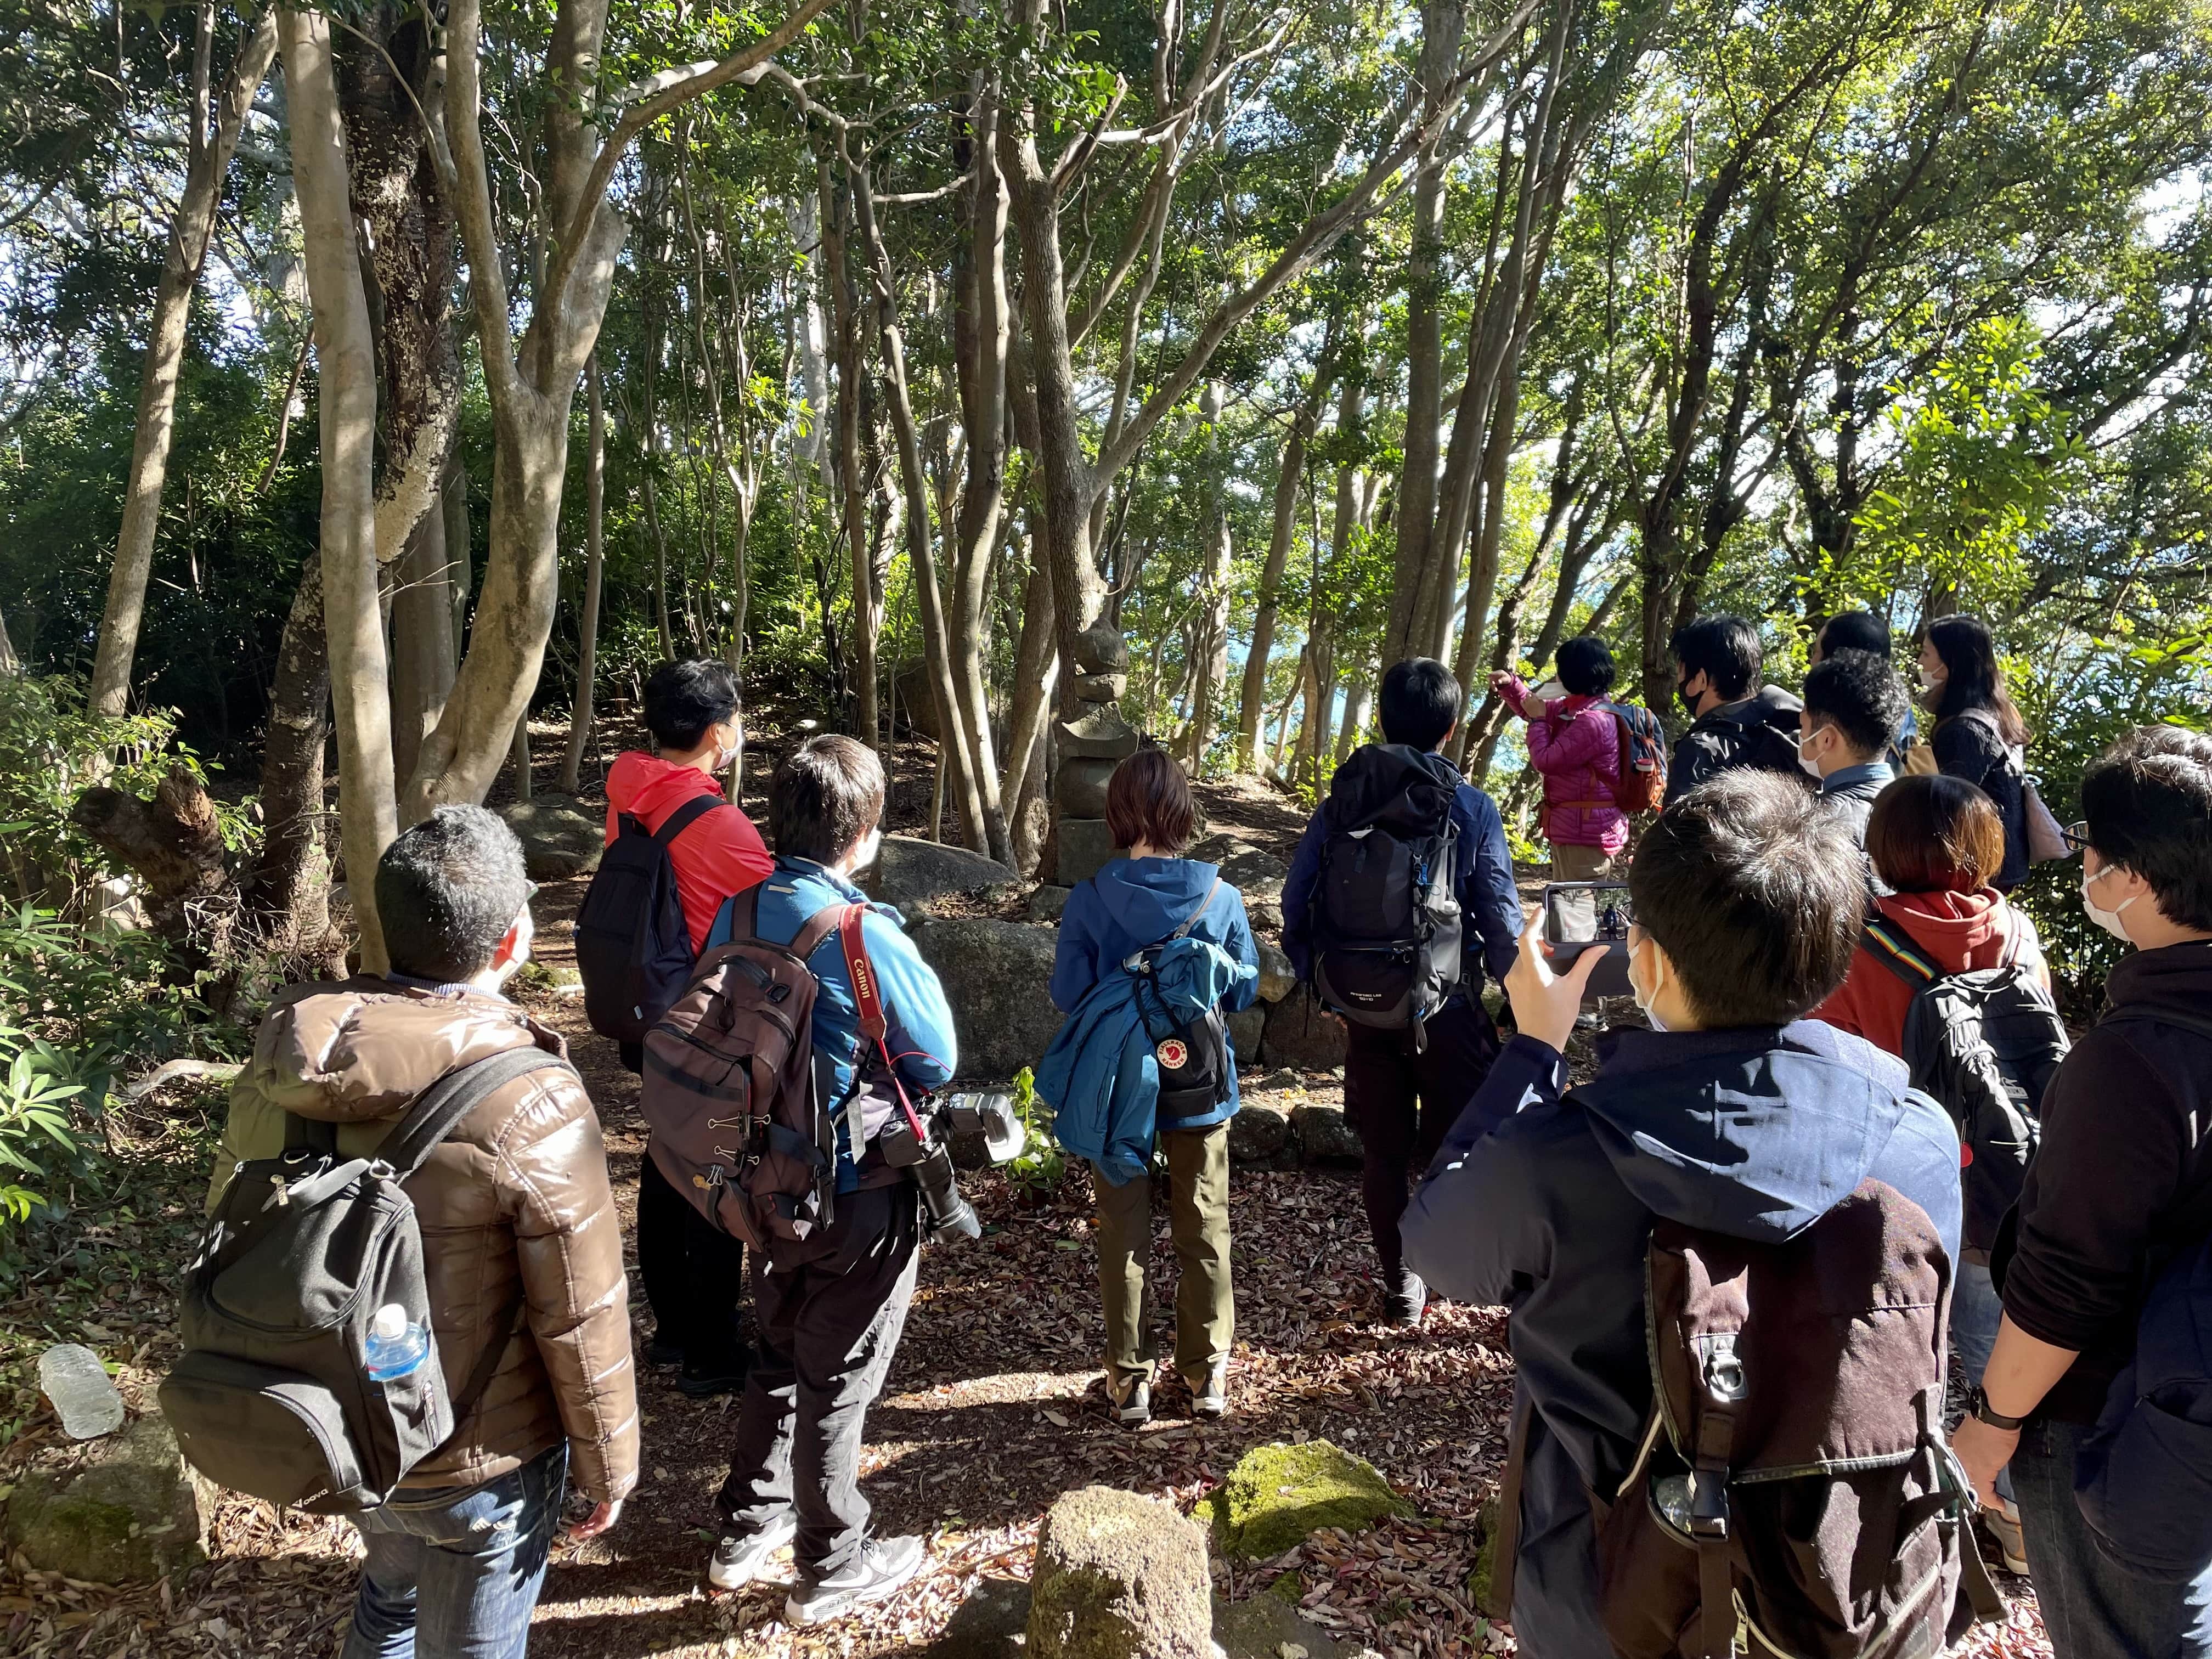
pixel 1976 1308
pixel 453 1572
pixel 2094 1608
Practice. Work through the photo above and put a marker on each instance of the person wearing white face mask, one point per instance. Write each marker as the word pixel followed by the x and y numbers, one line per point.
pixel 693 1274
pixel 1733 1114
pixel 2120 1188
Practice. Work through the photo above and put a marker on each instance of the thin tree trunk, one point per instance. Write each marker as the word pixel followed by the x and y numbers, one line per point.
pixel 290 882
pixel 1354 730
pixel 595 479
pixel 1288 482
pixel 519 754
pixel 346 362
pixel 1036 672
pixel 460 556
pixel 9 662
pixel 189 233
pixel 422 645
pixel 1207 669
pixel 867 612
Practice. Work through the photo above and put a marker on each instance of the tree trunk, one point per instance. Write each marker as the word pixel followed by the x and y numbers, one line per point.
pixel 1208 668
pixel 852 470
pixel 9 662
pixel 1443 22
pixel 189 233
pixel 423 652
pixel 595 478
pixel 346 363
pixel 290 886
pixel 1036 672
pixel 1288 483
pixel 1354 730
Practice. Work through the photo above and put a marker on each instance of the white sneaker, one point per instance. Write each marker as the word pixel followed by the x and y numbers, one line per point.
pixel 1210 1399
pixel 883 1567
pixel 1131 1398
pixel 740 1557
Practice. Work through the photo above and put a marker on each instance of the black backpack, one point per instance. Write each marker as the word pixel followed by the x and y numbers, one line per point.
pixel 1985 1044
pixel 271 1397
pixel 1194 1055
pixel 633 945
pixel 1386 915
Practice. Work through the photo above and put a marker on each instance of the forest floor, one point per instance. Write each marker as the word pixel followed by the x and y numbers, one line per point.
pixel 992 1408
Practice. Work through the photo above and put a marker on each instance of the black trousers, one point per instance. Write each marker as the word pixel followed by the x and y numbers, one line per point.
pixel 694 1272
pixel 1403 1103
pixel 831 1312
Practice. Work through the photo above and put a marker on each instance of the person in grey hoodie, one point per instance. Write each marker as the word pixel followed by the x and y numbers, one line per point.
pixel 1133 902
pixel 1733 1114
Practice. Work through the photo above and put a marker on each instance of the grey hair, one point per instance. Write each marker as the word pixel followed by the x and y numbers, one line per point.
pixel 447 892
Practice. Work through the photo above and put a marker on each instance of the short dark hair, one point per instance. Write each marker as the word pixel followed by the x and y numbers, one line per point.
pixel 1755 893
pixel 447 891
pixel 1148 800
pixel 2148 801
pixel 1584 664
pixel 1861 696
pixel 683 699
pixel 1855 630
pixel 1932 833
pixel 826 795
pixel 1724 649
pixel 1420 702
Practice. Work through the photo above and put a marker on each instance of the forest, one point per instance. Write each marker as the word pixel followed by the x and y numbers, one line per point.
pixel 384 390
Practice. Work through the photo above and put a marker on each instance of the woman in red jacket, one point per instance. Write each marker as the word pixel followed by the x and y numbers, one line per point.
pixel 1938 843
pixel 1575 742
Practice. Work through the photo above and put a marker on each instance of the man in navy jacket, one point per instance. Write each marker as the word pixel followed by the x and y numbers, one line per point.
pixel 1402 1089
pixel 1733 1114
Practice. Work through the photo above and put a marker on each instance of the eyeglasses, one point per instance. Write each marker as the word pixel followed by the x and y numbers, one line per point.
pixel 2076 835
pixel 530 891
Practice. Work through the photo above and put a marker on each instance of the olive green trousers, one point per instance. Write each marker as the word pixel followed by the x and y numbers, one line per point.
pixel 1198 1213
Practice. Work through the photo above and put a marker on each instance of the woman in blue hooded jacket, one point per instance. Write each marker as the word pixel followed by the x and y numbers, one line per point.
pixel 1132 903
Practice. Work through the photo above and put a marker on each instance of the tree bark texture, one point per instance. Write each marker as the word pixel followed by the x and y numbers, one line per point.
pixel 346 360
pixel 209 160
pixel 587 627
pixel 290 886
pixel 423 654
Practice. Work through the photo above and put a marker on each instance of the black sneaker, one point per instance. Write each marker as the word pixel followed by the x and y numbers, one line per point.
pixel 1409 1298
pixel 740 1557
pixel 883 1567
pixel 703 1379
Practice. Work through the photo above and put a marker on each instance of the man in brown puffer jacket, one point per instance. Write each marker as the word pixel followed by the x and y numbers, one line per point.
pixel 520 1239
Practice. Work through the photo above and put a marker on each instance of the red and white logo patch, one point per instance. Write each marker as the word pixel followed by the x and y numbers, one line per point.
pixel 1174 1053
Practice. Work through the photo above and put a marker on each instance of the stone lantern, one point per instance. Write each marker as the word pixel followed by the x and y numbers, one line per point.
pixel 1091 743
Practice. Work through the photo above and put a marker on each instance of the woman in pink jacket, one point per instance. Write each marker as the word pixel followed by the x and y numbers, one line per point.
pixel 1575 742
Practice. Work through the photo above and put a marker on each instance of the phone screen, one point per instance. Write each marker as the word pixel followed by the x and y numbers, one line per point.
pixel 1583 912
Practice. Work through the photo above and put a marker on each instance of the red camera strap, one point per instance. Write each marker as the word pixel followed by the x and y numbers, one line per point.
pixel 868 1004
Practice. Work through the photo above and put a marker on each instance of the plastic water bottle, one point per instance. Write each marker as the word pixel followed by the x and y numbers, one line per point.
pixel 395 1347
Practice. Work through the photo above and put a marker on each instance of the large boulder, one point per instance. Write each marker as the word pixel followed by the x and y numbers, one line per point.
pixel 560 838
pixel 1277 978
pixel 1047 901
pixel 1326 1138
pixel 994 974
pixel 1279 1495
pixel 1120 1576
pixel 135 1513
pixel 1303 1034
pixel 1247 1026
pixel 1259 1132
pixel 910 870
pixel 1269 1626
pixel 1259 876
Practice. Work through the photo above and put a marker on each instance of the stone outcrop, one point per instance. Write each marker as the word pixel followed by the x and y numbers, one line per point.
pixel 910 871
pixel 1326 1138
pixel 1303 1034
pixel 994 974
pixel 1120 1576
pixel 559 837
pixel 134 1513
pixel 1277 1496
pixel 1277 978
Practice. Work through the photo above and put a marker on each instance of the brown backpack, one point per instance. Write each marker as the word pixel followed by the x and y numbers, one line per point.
pixel 739 1124
pixel 1793 1494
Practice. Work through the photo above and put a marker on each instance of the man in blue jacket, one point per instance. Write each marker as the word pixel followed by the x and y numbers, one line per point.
pixel 1403 1088
pixel 831 1307
pixel 1733 1114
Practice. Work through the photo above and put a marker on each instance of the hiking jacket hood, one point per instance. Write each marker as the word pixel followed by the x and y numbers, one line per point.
pixel 516 1194
pixel 1134 902
pixel 1101 1076
pixel 1957 931
pixel 1545 1203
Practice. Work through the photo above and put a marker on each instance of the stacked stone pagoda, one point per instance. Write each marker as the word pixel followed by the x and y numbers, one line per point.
pixel 1092 742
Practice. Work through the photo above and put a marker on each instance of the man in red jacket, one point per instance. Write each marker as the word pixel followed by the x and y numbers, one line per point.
pixel 692 1272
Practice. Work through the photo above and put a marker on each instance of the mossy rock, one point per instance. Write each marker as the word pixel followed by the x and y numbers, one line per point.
pixel 133 1515
pixel 1278 1495
pixel 1486 1560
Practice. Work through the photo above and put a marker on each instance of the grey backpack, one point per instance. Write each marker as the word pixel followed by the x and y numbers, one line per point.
pixel 272 1397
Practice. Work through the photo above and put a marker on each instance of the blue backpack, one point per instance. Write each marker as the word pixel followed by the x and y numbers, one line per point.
pixel 2144 1479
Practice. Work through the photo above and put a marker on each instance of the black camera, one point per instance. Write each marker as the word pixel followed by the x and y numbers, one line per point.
pixel 928 1158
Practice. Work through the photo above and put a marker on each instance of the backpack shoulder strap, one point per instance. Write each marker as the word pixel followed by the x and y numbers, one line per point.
pixel 1888 943
pixel 1191 921
pixel 441 1106
pixel 2187 1020
pixel 684 816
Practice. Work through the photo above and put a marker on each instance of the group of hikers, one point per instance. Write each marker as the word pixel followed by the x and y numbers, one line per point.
pixel 1845 1137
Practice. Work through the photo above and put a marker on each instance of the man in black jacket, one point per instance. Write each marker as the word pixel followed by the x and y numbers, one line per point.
pixel 1733 726
pixel 2121 1184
